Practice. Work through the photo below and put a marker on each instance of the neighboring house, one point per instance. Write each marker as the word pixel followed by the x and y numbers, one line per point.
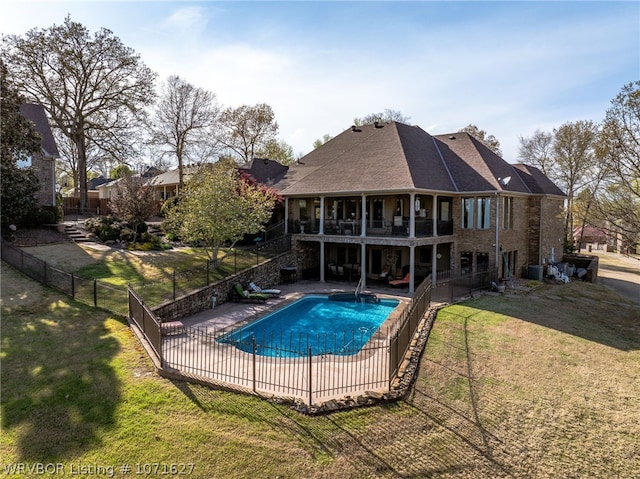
pixel 105 186
pixel 594 238
pixel 264 171
pixel 166 185
pixel 389 199
pixel 42 162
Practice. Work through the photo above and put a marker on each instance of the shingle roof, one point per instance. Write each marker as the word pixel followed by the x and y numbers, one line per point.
pixel 37 115
pixel 398 157
pixel 265 171
pixel 537 181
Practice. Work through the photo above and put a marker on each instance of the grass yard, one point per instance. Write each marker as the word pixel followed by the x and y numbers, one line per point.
pixel 152 272
pixel 530 386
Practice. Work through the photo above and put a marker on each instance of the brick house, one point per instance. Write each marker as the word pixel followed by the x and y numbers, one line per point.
pixel 42 162
pixel 389 199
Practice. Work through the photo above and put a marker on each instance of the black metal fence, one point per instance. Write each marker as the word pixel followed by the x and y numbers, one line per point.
pixel 276 370
pixel 449 288
pixel 400 341
pixel 86 290
pixel 286 368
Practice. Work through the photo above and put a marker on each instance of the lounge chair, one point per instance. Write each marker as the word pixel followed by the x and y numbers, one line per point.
pixel 401 282
pixel 254 288
pixel 238 294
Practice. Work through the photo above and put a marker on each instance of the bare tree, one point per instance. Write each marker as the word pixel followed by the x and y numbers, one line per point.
pixel 488 140
pixel 277 150
pixel 183 117
pixel 574 154
pixel 93 87
pixel 387 115
pixel 619 202
pixel 537 150
pixel 247 129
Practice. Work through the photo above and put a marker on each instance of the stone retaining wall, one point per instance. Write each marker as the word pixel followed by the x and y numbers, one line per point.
pixel 265 274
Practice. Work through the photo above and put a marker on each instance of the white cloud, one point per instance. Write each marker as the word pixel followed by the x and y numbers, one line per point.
pixel 508 68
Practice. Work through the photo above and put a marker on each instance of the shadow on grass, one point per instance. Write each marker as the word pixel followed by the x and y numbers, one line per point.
pixel 594 313
pixel 420 437
pixel 59 390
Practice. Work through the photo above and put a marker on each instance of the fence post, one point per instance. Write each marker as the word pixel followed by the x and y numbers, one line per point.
pixel 73 287
pixel 310 384
pixel 255 348
pixel 208 272
pixel 95 293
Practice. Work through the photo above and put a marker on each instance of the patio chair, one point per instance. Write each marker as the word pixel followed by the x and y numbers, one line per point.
pixel 238 294
pixel 254 288
pixel 401 282
pixel 385 271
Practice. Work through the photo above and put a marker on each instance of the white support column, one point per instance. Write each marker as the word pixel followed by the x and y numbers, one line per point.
pixel 434 266
pixel 363 216
pixel 412 215
pixel 322 261
pixel 322 217
pixel 434 210
pixel 412 268
pixel 363 264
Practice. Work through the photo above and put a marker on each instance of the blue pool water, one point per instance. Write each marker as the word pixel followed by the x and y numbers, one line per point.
pixel 325 326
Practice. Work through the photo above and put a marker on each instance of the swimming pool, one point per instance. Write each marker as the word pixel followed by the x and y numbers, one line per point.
pixel 313 322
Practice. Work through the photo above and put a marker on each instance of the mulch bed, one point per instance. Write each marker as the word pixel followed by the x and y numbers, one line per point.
pixel 38 236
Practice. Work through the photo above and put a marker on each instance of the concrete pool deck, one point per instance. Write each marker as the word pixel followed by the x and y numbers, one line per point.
pixel 194 351
pixel 229 314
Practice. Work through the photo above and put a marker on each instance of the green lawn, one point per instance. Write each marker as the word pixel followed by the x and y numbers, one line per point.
pixel 531 386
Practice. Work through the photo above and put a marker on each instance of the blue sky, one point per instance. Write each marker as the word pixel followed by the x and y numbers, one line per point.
pixel 508 67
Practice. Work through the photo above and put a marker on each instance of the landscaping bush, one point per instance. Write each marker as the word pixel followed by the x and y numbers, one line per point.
pixel 149 242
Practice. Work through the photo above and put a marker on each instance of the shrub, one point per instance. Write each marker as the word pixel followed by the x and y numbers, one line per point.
pixel 126 234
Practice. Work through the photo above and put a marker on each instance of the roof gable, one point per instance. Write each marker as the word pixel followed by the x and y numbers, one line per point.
pixel 475 167
pixel 36 114
pixel 536 180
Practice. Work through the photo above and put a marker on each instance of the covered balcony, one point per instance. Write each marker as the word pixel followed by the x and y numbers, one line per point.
pixel 401 216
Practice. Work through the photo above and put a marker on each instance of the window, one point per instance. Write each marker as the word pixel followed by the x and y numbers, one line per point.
pixel 507 212
pixel 303 208
pixel 467 213
pixel 484 213
pixel 482 262
pixel 466 262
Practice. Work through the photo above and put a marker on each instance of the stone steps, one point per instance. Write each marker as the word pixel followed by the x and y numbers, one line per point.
pixel 75 235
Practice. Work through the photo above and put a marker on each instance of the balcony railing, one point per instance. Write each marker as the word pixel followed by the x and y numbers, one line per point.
pixel 397 227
